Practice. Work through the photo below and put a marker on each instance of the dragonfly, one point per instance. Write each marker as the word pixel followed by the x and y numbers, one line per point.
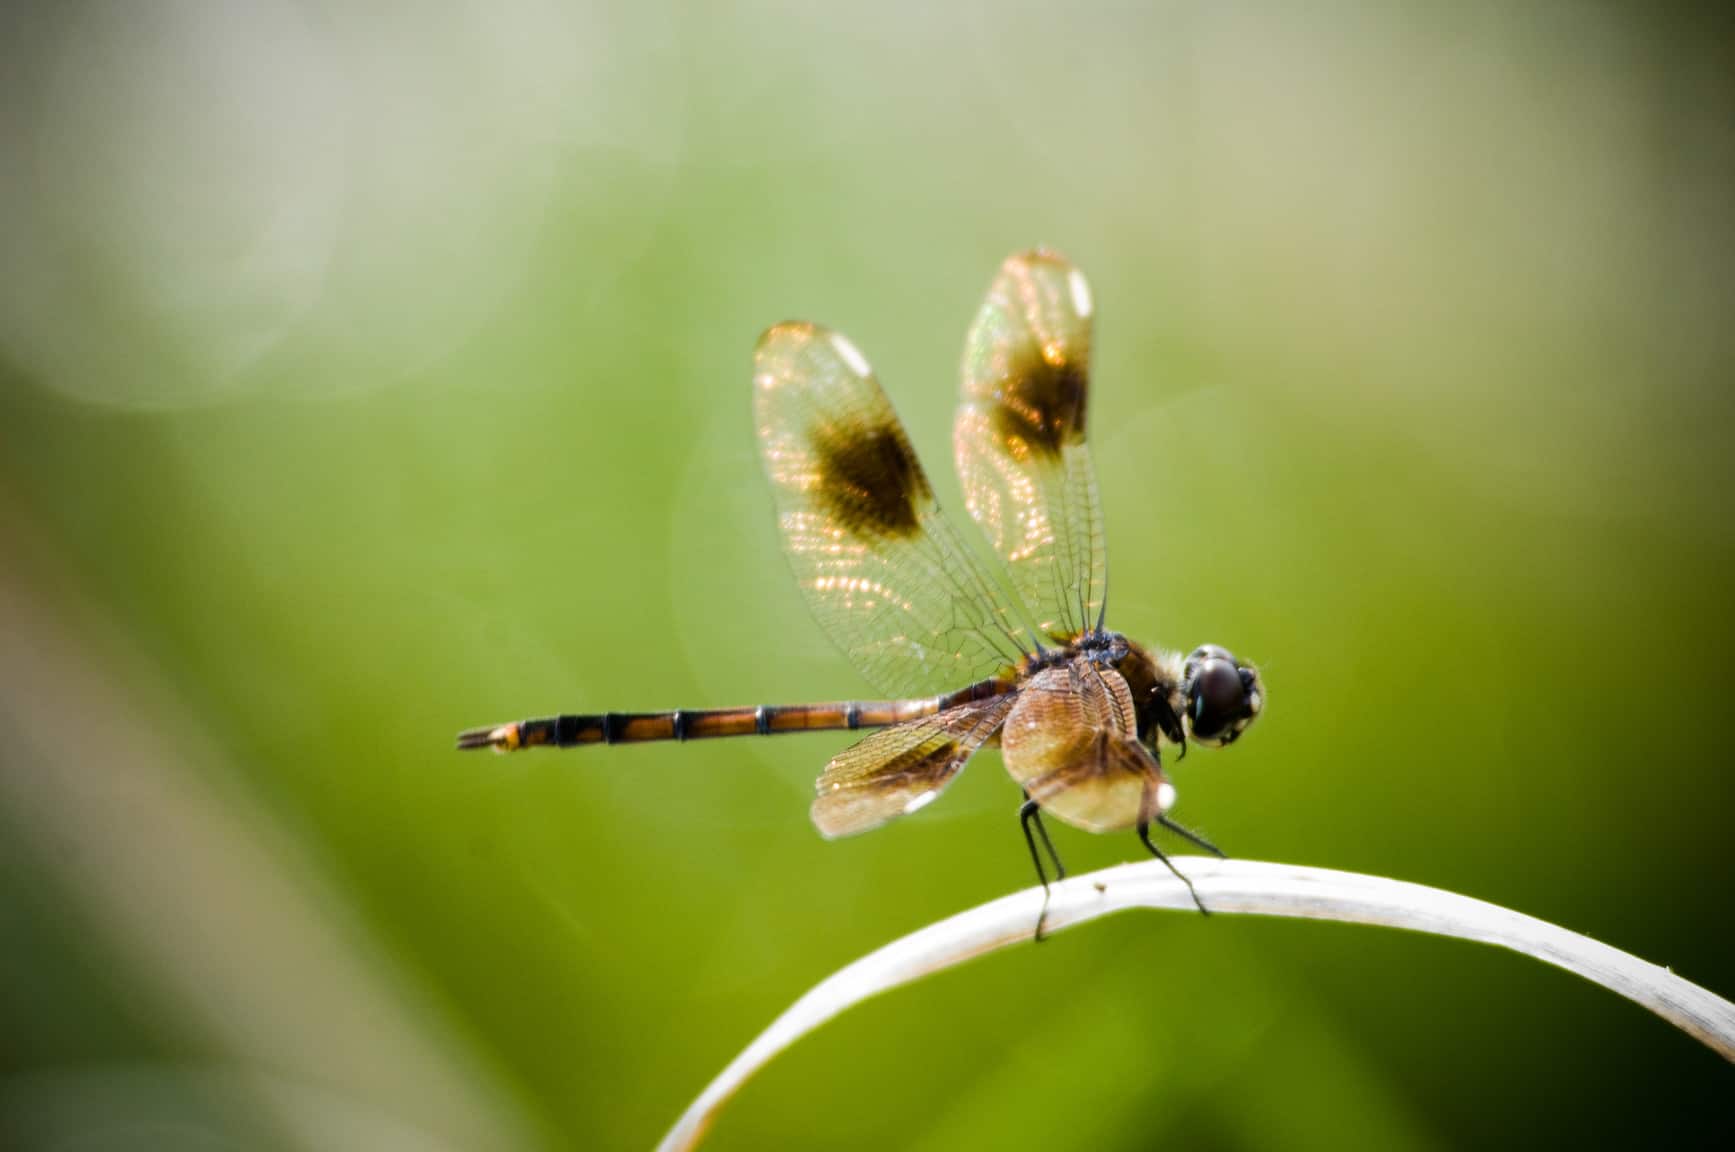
pixel 967 654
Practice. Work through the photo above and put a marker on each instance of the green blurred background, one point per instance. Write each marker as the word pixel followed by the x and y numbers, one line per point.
pixel 369 372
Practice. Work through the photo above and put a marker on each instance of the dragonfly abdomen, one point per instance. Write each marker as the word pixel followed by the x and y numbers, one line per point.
pixel 578 729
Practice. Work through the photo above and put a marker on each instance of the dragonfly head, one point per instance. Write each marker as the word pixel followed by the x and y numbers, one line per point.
pixel 1223 695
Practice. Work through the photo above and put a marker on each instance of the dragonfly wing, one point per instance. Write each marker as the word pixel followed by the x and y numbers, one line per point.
pixel 1019 439
pixel 1072 742
pixel 884 572
pixel 902 768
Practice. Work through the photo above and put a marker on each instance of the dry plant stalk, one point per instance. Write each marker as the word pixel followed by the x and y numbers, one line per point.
pixel 1242 886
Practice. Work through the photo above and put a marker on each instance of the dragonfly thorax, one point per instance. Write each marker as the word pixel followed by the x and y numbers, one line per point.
pixel 1159 699
pixel 1097 646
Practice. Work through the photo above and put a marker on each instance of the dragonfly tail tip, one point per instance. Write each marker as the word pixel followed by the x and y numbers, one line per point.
pixel 501 738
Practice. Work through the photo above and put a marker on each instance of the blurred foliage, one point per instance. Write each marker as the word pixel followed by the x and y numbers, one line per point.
pixel 369 374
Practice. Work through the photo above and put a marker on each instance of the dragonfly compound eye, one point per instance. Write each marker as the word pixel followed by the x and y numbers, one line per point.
pixel 1223 696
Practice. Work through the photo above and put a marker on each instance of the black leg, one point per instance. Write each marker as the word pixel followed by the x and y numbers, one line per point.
pixel 1145 837
pixel 1189 834
pixel 1030 813
pixel 1042 831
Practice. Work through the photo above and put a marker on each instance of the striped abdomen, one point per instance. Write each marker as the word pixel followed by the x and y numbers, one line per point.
pixel 705 723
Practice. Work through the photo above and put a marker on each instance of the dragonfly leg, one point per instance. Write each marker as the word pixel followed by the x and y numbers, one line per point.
pixel 1189 834
pixel 1030 814
pixel 1145 837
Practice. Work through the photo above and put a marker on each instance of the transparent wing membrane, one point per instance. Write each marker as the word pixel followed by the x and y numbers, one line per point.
pixel 1019 439
pixel 884 573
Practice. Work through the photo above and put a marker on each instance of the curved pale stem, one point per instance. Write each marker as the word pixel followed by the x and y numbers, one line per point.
pixel 1242 886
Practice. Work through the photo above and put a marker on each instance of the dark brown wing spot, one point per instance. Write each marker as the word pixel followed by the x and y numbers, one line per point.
pixel 1043 403
pixel 869 481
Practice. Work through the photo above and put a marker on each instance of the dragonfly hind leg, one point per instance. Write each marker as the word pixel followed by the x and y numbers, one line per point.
pixel 1145 838
pixel 1030 815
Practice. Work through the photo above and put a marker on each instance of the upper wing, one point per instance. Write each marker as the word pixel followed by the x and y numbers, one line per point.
pixel 1019 439
pixel 884 573
pixel 1072 741
pixel 901 768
